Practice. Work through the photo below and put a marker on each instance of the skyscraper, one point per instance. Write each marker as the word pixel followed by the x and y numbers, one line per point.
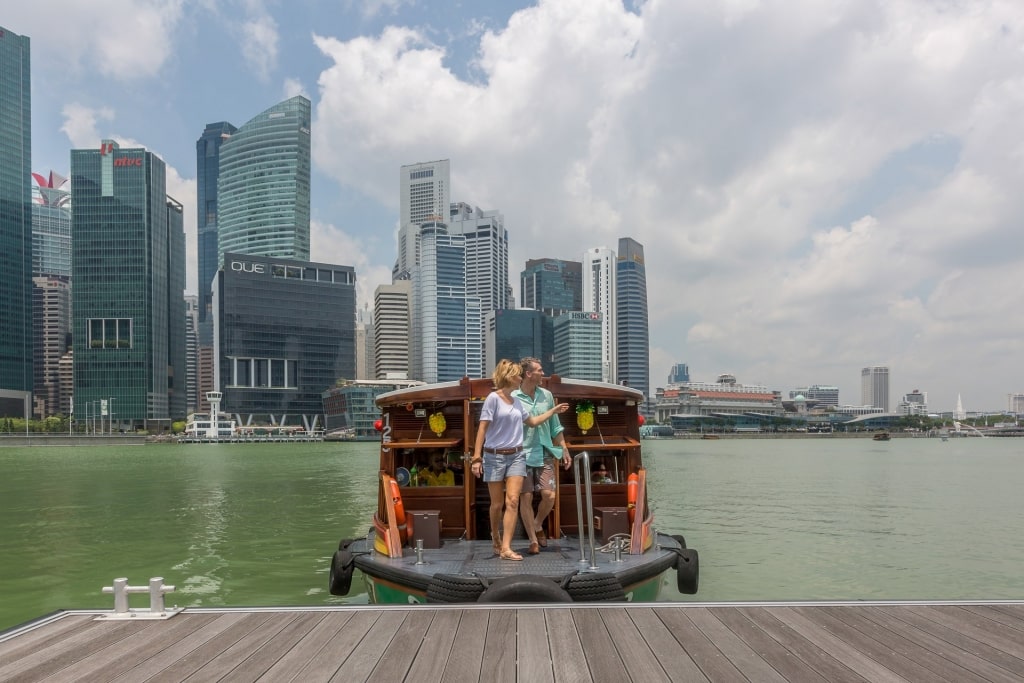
pixel 262 205
pixel 632 337
pixel 128 296
pixel 51 226
pixel 874 387
pixel 392 316
pixel 551 286
pixel 599 290
pixel 679 373
pixel 207 175
pixel 15 225
pixel 447 324
pixel 424 195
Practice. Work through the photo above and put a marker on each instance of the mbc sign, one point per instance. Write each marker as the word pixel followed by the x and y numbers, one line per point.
pixel 244 267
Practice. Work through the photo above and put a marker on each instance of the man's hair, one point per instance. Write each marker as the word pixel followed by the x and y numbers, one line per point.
pixel 525 364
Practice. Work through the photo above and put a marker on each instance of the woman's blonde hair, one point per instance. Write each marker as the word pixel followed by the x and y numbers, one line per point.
pixel 506 373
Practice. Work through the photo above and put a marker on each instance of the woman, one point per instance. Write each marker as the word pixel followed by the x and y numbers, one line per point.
pixel 498 453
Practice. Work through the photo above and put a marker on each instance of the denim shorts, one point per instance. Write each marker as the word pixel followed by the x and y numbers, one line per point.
pixel 540 478
pixel 501 467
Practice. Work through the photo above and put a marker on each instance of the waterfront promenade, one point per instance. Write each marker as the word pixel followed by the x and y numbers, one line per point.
pixel 643 642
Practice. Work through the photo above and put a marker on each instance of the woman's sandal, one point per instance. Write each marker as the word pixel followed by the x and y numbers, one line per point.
pixel 511 555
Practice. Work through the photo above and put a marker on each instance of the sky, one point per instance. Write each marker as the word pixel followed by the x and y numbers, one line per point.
pixel 819 185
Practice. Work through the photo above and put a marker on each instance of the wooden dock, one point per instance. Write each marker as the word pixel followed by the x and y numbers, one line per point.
pixel 976 641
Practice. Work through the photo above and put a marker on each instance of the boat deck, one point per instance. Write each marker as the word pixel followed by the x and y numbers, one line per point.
pixel 560 558
pixel 981 641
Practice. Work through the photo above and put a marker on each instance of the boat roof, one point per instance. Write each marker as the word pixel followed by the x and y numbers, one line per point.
pixel 466 388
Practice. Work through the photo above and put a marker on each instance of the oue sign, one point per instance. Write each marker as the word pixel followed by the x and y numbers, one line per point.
pixel 244 267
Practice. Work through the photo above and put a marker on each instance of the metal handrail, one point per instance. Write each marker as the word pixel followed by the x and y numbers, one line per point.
pixel 587 522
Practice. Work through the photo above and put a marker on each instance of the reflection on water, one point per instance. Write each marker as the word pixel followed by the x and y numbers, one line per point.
pixel 256 524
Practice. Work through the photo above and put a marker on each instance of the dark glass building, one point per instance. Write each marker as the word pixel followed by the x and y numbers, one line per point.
pixel 552 286
pixel 632 338
pixel 207 174
pixel 15 225
pixel 284 333
pixel 520 333
pixel 128 270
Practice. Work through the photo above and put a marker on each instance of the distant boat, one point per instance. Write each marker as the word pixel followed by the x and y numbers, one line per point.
pixel 881 436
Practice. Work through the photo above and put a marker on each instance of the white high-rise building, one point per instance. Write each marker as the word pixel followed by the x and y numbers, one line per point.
pixel 599 297
pixel 874 387
pixel 392 315
pixel 425 195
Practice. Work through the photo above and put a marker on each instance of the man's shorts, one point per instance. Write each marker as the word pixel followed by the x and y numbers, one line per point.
pixel 499 467
pixel 540 478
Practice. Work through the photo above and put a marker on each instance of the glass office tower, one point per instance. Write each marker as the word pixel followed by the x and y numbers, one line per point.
pixel 15 225
pixel 128 297
pixel 262 204
pixel 632 338
pixel 207 173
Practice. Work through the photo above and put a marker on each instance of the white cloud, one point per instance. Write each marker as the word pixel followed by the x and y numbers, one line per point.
pixel 81 124
pixel 331 244
pixel 725 138
pixel 259 41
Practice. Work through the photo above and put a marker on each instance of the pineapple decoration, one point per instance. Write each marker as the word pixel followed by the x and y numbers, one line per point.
pixel 584 415
pixel 437 423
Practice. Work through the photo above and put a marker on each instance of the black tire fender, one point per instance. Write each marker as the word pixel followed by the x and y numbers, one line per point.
pixel 525 588
pixel 679 539
pixel 687 571
pixel 448 588
pixel 340 579
pixel 597 587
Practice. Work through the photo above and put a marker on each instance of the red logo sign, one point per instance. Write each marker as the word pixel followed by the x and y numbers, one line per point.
pixel 106 148
pixel 128 161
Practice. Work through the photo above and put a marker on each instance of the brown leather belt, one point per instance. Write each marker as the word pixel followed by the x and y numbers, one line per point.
pixel 502 451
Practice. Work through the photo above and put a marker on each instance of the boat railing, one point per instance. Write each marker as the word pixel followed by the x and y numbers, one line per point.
pixel 581 463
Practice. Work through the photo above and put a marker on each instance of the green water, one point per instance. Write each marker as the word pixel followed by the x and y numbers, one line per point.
pixel 256 524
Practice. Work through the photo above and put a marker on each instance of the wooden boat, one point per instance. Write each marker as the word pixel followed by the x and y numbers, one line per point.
pixel 881 436
pixel 432 543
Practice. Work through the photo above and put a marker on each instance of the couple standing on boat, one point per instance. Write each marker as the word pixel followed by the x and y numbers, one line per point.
pixel 514 437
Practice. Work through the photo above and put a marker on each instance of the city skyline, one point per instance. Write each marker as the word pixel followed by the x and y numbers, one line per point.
pixel 813 196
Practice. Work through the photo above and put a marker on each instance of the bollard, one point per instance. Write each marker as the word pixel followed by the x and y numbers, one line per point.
pixel 156 590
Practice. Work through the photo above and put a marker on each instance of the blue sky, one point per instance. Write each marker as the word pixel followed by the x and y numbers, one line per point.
pixel 819 185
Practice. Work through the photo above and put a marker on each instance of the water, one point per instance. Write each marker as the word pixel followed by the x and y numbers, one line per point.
pixel 256 524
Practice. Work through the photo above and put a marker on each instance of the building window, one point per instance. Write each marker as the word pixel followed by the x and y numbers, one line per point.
pixel 109 333
pixel 264 373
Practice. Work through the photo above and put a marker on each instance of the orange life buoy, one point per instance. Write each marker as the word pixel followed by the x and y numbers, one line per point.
pixel 632 488
pixel 396 499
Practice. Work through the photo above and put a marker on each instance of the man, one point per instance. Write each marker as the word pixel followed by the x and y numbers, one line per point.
pixel 544 445
pixel 438 474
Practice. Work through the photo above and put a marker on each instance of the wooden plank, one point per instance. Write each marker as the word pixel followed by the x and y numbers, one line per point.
pixel 467 651
pixel 499 658
pixel 533 654
pixel 932 621
pixel 598 648
pixel 703 652
pixel 270 652
pixel 940 646
pixel 980 628
pixel 733 647
pixel 833 645
pixel 899 638
pixel 325 663
pixel 633 650
pixel 824 664
pixel 396 662
pixel 993 612
pixel 42 636
pixel 763 646
pixel 58 655
pixel 110 662
pixel 307 647
pixel 566 648
pixel 226 661
pixel 670 654
pixel 865 643
pixel 366 653
pixel 181 660
pixel 432 658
